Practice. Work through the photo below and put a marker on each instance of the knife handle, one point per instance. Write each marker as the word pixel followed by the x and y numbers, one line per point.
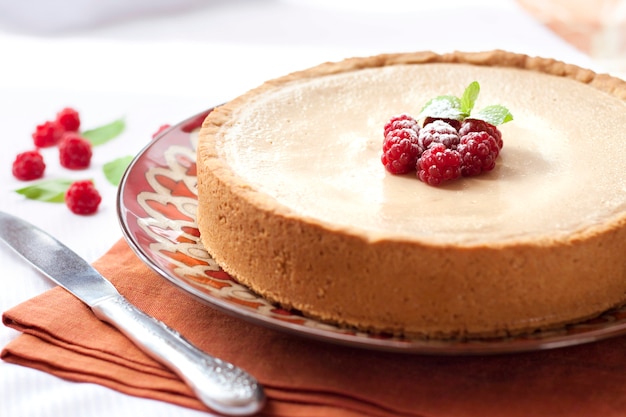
pixel 220 385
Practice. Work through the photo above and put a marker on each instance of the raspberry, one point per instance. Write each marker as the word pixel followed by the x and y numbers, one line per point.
pixel 401 121
pixel 47 134
pixel 439 132
pixel 161 129
pixel 452 122
pixel 74 151
pixel 69 119
pixel 28 165
pixel 477 125
pixel 400 151
pixel 478 151
pixel 439 164
pixel 82 197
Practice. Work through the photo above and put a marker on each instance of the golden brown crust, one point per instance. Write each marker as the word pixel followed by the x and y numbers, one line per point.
pixel 342 276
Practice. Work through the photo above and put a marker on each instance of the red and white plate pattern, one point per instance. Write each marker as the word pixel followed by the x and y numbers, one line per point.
pixel 157 207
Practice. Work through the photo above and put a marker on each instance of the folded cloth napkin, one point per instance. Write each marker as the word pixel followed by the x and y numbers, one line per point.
pixel 303 377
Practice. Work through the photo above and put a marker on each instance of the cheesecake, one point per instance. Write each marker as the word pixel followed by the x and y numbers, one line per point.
pixel 295 204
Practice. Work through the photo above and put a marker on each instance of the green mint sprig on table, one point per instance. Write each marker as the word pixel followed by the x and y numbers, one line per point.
pixel 103 134
pixel 460 108
pixel 114 170
pixel 50 191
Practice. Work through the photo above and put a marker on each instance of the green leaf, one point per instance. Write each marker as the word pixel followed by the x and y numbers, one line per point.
pixel 51 191
pixel 114 170
pixel 495 114
pixel 444 107
pixel 468 99
pixel 451 107
pixel 103 134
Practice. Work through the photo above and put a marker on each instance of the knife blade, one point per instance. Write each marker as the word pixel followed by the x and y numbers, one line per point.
pixel 220 385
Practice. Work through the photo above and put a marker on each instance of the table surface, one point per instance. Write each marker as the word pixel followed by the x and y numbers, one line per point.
pixel 153 67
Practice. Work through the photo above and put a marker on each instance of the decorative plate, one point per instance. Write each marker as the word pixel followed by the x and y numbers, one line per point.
pixel 157 204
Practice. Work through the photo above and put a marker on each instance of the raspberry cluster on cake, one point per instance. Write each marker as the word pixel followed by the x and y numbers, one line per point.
pixel 293 200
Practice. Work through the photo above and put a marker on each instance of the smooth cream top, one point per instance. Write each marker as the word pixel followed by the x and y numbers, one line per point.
pixel 315 146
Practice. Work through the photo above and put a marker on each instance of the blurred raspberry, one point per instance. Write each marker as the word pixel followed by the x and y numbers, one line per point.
pixel 82 197
pixel 74 151
pixel 28 166
pixel 69 119
pixel 47 134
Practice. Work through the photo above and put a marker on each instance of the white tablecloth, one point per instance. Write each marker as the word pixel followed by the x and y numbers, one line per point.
pixel 155 67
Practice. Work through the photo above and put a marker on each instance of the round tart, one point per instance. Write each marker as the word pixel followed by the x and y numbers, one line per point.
pixel 294 202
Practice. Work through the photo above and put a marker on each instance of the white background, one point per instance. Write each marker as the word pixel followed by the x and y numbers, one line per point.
pixel 156 62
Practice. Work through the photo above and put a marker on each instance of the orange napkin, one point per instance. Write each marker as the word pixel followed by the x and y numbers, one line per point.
pixel 304 377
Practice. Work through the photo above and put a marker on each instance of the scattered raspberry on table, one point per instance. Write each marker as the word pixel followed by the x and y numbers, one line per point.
pixel 74 151
pixel 69 119
pixel 47 134
pixel 82 197
pixel 28 166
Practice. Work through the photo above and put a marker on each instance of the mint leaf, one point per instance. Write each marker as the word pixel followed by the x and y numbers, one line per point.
pixel 495 114
pixel 468 99
pixel 51 191
pixel 114 170
pixel 443 107
pixel 451 107
pixel 103 134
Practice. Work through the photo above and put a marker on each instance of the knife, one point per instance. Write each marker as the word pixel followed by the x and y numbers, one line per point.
pixel 220 385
